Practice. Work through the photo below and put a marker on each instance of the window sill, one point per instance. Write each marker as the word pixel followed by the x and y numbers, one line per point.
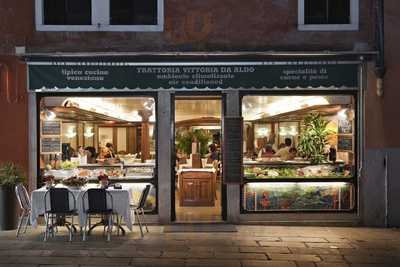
pixel 328 27
pixel 104 28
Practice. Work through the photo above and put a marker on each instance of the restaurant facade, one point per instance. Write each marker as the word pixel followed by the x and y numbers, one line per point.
pixel 249 187
pixel 166 114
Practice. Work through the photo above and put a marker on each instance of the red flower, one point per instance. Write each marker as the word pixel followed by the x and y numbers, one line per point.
pixel 102 177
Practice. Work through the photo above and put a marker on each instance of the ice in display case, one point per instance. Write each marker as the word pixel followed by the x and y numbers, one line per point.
pixel 115 172
pixel 303 196
pixel 296 169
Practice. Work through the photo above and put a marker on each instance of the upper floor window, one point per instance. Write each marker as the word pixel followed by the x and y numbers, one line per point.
pixel 328 15
pixel 99 15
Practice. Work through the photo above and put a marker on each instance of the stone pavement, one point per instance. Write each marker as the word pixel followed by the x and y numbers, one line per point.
pixel 251 246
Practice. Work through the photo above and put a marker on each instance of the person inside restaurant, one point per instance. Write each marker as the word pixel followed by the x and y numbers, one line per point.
pixel 214 154
pixel 107 152
pixel 284 152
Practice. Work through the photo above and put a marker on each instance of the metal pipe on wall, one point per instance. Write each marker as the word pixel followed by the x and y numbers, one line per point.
pixel 4 77
pixel 380 68
pixel 5 72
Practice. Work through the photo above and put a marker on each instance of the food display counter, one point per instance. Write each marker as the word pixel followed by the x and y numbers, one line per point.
pixel 138 172
pixel 300 196
pixel 297 185
pixel 295 169
pixel 138 175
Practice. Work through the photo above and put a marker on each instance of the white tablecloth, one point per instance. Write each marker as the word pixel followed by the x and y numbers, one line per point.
pixel 122 199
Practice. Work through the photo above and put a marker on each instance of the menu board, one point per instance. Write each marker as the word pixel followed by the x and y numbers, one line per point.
pixel 232 150
pixel 52 127
pixel 50 145
pixel 345 143
pixel 345 127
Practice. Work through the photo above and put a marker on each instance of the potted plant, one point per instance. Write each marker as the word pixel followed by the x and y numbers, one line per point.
pixel 184 141
pixel 314 138
pixel 10 176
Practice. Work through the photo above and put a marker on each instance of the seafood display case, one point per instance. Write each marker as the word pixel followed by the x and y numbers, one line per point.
pixel 297 186
pixel 296 170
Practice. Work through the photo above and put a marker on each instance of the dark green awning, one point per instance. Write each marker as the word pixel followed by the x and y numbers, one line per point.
pixel 97 74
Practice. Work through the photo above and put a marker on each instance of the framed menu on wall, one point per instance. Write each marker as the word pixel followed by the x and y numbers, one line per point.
pixel 50 145
pixel 345 143
pixel 51 127
pixel 50 137
pixel 345 127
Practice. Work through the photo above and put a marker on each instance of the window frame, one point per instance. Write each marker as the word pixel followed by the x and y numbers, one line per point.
pixel 100 20
pixel 352 26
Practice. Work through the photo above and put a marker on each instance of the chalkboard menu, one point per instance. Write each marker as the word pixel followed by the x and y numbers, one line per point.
pixel 345 143
pixel 50 145
pixel 232 149
pixel 51 127
pixel 345 126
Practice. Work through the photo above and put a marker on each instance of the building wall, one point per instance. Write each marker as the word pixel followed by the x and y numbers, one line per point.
pixel 380 184
pixel 13 111
pixel 209 25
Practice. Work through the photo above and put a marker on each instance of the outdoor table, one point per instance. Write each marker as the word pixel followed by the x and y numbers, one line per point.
pixel 121 203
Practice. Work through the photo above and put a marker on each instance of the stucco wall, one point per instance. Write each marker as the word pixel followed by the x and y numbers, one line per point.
pixel 13 112
pixel 208 25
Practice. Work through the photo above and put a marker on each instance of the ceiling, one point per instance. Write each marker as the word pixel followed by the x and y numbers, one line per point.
pixel 188 109
pixel 194 107
pixel 257 107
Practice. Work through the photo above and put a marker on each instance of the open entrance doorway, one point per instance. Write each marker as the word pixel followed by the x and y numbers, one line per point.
pixel 197 176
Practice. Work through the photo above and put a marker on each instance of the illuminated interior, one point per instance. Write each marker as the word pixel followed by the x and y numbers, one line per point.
pixel 299 152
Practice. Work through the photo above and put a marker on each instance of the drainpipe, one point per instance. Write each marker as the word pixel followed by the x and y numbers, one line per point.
pixel 5 72
pixel 380 46
pixel 4 77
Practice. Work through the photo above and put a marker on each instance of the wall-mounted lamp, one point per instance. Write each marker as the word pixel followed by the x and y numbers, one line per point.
pixel 48 115
pixel 88 132
pixel 70 132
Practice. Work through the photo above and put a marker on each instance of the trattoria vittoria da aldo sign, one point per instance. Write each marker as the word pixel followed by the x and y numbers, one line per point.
pixel 190 75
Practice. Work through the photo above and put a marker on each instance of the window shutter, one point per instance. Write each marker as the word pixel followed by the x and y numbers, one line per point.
pixel 232 150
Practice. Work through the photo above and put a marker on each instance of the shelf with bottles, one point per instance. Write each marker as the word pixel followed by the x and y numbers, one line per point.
pixel 292 196
pixel 300 170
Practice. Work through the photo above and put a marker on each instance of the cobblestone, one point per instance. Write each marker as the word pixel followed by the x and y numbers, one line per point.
pixel 250 246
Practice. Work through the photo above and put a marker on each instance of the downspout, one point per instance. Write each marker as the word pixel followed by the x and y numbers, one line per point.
pixel 5 78
pixel 5 72
pixel 380 46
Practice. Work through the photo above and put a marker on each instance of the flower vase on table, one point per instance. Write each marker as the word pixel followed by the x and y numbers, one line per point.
pixel 48 181
pixel 75 182
pixel 103 180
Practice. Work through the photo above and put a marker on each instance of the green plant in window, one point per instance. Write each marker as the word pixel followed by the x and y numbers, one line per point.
pixel 203 138
pixel 314 138
pixel 184 140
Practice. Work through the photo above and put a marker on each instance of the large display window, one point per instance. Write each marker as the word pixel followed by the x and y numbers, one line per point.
pixel 299 152
pixel 84 139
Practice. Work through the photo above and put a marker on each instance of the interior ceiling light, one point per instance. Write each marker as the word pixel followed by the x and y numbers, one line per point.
pixel 108 107
pixel 283 105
